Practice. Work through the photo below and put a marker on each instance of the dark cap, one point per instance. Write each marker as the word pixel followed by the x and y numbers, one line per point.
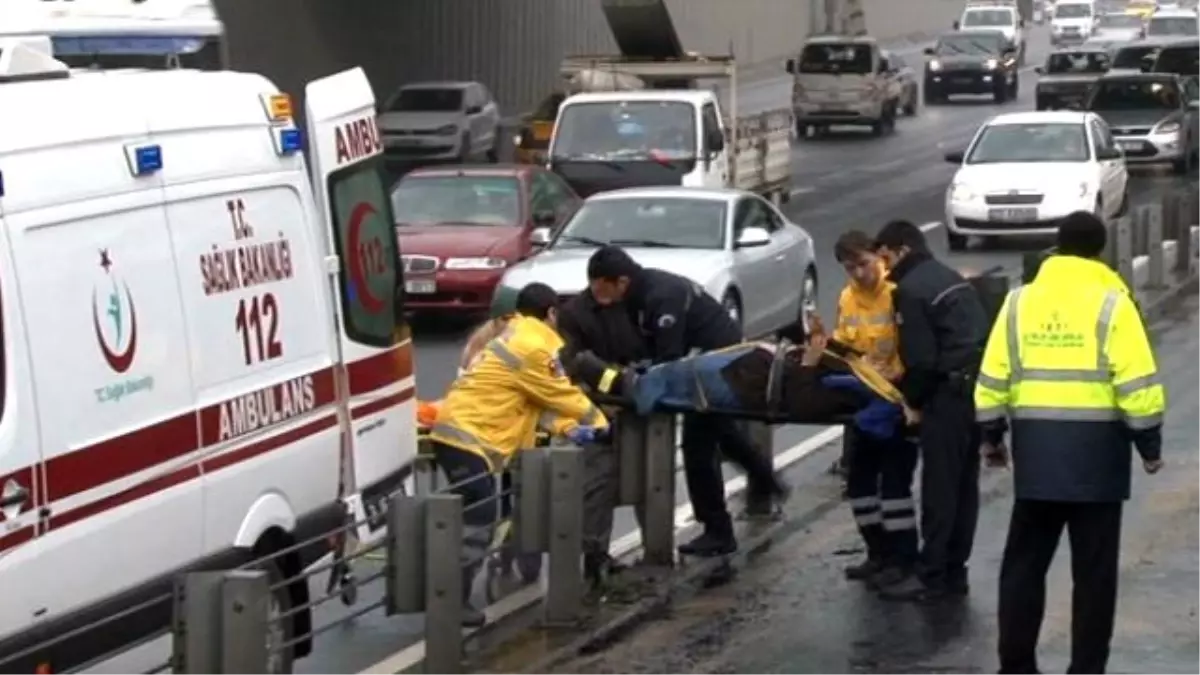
pixel 899 233
pixel 611 262
pixel 1082 234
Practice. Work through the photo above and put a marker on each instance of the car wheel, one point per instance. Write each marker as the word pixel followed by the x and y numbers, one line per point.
pixel 493 153
pixel 1015 92
pixel 955 241
pixel 808 296
pixel 280 621
pixel 733 307
pixel 464 152
pixel 1124 203
pixel 1000 95
pixel 1183 165
pixel 1040 103
pixel 910 108
pixel 1099 209
pixel 802 130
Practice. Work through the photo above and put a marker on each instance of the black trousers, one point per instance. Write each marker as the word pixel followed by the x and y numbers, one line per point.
pixel 1094 530
pixel 703 435
pixel 469 477
pixel 879 486
pixel 950 441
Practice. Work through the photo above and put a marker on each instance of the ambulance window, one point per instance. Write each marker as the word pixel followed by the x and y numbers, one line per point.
pixel 366 243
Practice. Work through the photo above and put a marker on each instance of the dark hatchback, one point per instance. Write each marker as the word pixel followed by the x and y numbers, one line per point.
pixel 971 62
pixel 1068 74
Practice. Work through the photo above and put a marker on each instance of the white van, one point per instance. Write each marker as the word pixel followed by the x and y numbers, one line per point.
pixel 1073 22
pixel 199 355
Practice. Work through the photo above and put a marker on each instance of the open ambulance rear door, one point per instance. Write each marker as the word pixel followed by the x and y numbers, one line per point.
pixel 346 159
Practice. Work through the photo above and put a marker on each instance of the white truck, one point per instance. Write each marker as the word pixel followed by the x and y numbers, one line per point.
pixel 1006 16
pixel 694 125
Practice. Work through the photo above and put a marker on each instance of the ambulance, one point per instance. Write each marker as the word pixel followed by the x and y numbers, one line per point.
pixel 203 359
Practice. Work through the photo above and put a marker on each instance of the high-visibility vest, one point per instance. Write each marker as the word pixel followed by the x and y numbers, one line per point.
pixel 1069 347
pixel 866 321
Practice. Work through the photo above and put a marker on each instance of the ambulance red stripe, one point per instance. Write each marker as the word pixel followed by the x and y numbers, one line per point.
pixel 162 442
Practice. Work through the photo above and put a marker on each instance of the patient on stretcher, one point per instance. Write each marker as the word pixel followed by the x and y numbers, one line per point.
pixel 818 383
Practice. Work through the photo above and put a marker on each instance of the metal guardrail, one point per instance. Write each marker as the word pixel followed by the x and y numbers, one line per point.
pixel 1143 232
pixel 234 622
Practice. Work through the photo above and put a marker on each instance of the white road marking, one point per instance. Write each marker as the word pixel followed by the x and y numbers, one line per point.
pixel 684 517
pixel 803 190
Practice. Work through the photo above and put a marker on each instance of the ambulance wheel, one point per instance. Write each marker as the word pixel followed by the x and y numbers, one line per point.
pixel 956 242
pixel 281 623
pixel 498 579
pixel 529 567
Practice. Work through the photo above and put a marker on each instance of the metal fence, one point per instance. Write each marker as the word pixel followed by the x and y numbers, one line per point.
pixel 234 622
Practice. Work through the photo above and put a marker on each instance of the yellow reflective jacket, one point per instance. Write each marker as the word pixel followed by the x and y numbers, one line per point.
pixel 515 385
pixel 866 321
pixel 1069 364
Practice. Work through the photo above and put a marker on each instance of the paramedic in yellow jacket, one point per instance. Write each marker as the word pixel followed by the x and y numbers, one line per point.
pixel 495 408
pixel 879 473
pixel 1070 372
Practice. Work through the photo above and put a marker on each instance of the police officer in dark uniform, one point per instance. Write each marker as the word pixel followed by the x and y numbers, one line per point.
pixel 676 316
pixel 942 330
pixel 609 332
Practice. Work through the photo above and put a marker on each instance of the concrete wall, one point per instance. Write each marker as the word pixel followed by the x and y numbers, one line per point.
pixel 514 46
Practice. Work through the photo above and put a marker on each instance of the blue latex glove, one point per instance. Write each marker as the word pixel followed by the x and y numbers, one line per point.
pixel 582 435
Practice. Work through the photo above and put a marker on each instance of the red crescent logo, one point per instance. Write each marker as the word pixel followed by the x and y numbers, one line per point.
pixel 118 362
pixel 358 275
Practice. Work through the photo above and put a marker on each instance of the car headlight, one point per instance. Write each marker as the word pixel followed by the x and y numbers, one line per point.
pixel 447 130
pixel 476 263
pixel 961 192
pixel 935 65
pixel 991 64
pixel 1167 128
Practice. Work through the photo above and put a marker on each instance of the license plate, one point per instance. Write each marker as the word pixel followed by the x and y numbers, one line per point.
pixel 964 80
pixel 420 286
pixel 1013 215
pixel 378 497
pixel 1130 145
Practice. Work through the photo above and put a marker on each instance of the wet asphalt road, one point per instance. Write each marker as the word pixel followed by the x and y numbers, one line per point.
pixel 791 611
pixel 845 181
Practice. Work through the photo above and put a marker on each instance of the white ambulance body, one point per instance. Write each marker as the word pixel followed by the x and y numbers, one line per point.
pixel 202 356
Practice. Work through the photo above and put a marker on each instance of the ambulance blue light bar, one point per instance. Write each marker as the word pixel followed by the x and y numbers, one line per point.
pixel 81 45
pixel 147 159
pixel 290 141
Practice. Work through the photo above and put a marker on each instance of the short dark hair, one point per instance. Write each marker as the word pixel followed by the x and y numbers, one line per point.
pixel 899 233
pixel 853 244
pixel 1082 234
pixel 611 263
pixel 536 300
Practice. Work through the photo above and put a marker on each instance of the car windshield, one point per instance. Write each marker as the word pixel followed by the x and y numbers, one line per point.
pixel 457 200
pixel 626 130
pixel 1077 62
pixel 1173 25
pixel 1179 60
pixel 837 58
pixel 1133 57
pixel 1034 142
pixel 427 99
pixel 1073 11
pixel 656 222
pixel 1120 21
pixel 977 18
pixel 949 45
pixel 1134 95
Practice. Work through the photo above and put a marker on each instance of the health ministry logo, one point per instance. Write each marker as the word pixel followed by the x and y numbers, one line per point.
pixel 114 318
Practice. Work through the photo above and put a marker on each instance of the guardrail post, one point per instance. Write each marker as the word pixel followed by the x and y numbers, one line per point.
pixel 1184 215
pixel 531 484
pixel 220 622
pixel 444 588
pixel 630 444
pixel 659 457
pixel 1122 248
pixel 405 581
pixel 1154 244
pixel 564 593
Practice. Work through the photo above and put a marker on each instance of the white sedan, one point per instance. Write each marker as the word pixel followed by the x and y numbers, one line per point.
pixel 1023 172
pixel 735 244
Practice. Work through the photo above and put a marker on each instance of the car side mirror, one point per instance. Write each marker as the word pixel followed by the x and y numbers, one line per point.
pixel 790 66
pixel 955 25
pixel 955 157
pixel 1021 23
pixel 930 51
pixel 474 109
pixel 540 236
pixel 752 237
pixel 716 140
pixel 545 219
pixel 1109 154
pixel 1039 70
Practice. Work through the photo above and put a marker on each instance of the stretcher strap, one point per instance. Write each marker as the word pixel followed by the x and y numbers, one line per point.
pixel 775 378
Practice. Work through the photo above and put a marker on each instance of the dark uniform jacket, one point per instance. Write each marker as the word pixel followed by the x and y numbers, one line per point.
pixel 942 327
pixel 609 332
pixel 676 316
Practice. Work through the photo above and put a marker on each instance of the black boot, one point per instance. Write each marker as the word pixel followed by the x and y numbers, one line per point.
pixel 767 503
pixel 710 545
pixel 863 570
pixel 956 581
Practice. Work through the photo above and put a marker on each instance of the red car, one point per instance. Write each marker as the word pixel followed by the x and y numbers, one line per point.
pixel 461 227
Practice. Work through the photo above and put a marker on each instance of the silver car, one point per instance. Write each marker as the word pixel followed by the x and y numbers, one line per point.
pixel 440 121
pixel 734 244
pixel 1117 27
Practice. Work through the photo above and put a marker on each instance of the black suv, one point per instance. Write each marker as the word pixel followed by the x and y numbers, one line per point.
pixel 1064 80
pixel 971 62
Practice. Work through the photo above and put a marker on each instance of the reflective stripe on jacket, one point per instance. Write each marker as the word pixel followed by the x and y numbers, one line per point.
pixel 515 386
pixel 866 321
pixel 1069 364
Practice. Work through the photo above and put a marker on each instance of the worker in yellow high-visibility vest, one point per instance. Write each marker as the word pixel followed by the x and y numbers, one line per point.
pixel 1069 366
